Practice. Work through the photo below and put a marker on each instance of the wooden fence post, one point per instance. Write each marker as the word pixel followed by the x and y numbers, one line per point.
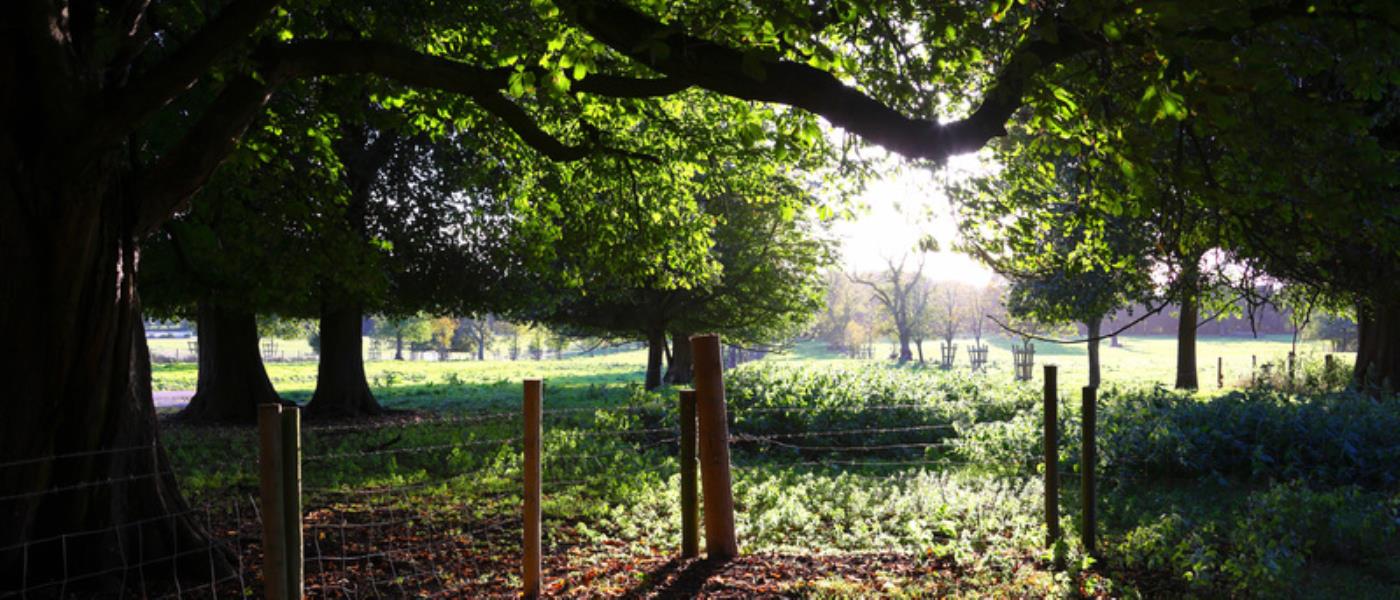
pixel 533 408
pixel 291 500
pixel 1052 466
pixel 690 503
pixel 713 433
pixel 1220 372
pixel 1087 467
pixel 271 484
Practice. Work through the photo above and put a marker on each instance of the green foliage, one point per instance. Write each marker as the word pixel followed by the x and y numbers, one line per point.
pixel 1261 548
pixel 1334 438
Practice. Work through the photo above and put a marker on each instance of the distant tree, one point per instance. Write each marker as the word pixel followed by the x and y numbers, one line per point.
pixel 536 347
pixel 950 311
pixel 845 322
pixel 897 290
pixel 481 331
pixel 1339 329
pixel 399 330
pixel 762 284
pixel 984 304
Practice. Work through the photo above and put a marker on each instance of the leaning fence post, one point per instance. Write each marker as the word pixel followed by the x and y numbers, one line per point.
pixel 713 433
pixel 291 499
pixel 271 484
pixel 690 505
pixel 1052 466
pixel 1087 466
pixel 533 409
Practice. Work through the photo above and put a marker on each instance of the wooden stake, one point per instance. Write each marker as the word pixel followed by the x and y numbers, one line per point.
pixel 271 485
pixel 713 433
pixel 690 502
pixel 291 499
pixel 1220 372
pixel 1087 467
pixel 1052 465
pixel 534 407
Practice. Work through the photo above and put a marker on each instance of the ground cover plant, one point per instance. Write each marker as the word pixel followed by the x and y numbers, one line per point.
pixel 850 480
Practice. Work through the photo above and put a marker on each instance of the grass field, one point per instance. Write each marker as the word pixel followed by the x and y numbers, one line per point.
pixel 580 379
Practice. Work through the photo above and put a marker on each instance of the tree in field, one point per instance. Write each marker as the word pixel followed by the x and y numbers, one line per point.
pixel 983 305
pixel 949 314
pixel 536 347
pixel 117 113
pixel 1336 327
pixel 897 291
pixel 226 260
pixel 1082 270
pixel 764 284
pixel 477 333
pixel 846 322
pixel 402 330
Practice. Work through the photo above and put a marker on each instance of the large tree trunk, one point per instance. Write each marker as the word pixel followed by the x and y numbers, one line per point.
pixel 1186 335
pixel 1378 343
pixel 398 346
pixel 905 354
pixel 232 381
pixel 1094 327
pixel 656 346
pixel 680 371
pixel 85 484
pixel 341 388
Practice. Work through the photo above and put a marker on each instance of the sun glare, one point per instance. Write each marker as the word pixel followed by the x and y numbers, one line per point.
pixel 906 206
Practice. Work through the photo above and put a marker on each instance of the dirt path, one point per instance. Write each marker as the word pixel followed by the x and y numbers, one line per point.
pixel 173 399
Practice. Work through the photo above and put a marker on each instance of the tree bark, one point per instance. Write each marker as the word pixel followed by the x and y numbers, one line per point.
pixel 232 380
pixel 1094 327
pixel 87 485
pixel 680 371
pixel 398 346
pixel 341 388
pixel 905 354
pixel 1378 344
pixel 656 345
pixel 920 345
pixel 1186 335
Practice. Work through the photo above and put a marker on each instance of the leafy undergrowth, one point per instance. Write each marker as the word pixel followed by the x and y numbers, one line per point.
pixel 851 484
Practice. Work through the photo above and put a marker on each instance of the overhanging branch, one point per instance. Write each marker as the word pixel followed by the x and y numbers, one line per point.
pixel 730 71
pixel 1100 337
pixel 156 88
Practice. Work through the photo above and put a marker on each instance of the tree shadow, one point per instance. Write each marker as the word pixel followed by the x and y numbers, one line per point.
pixel 677 578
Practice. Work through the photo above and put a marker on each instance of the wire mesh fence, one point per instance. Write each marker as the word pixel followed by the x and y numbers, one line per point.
pixel 430 505
pixel 117 546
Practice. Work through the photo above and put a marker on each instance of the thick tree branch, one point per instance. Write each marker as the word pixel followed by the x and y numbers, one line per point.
pixel 167 80
pixel 314 58
pixel 166 185
pixel 732 72
pixel 183 170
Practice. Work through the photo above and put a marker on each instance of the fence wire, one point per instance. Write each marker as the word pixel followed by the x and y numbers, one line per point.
pixel 430 507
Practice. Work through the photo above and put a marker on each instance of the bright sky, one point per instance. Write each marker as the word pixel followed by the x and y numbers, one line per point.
pixel 905 206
